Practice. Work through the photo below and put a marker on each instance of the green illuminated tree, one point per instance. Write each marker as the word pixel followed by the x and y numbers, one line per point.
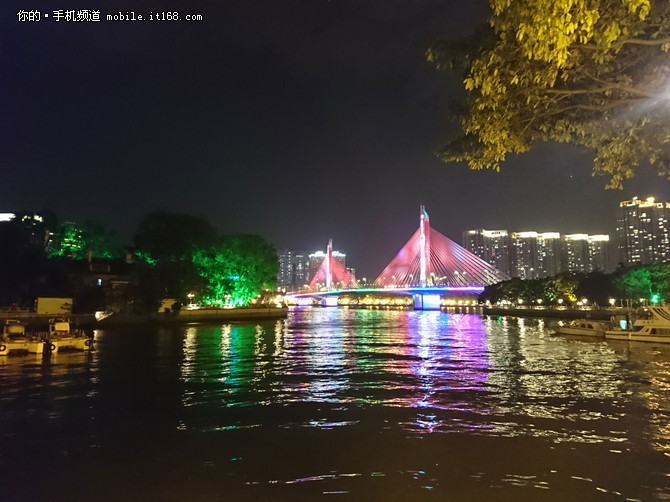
pixel 594 74
pixel 68 241
pixel 76 241
pixel 643 281
pixel 181 254
pixel 165 244
pixel 237 269
pixel 99 240
pixel 634 283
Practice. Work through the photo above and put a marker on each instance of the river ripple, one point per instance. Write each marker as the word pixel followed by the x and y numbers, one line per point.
pixel 338 403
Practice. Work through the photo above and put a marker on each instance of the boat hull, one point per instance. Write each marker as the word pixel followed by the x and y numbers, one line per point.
pixel 30 346
pixel 582 328
pixel 74 343
pixel 637 337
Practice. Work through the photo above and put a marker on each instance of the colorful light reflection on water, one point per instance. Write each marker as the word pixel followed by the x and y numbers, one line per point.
pixel 363 404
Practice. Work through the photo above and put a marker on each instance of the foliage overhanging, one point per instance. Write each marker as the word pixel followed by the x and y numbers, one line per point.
pixel 595 74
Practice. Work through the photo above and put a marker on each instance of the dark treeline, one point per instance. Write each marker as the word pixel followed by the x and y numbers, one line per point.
pixel 171 256
pixel 633 285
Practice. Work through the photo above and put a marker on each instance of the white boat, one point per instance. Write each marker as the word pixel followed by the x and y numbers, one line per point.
pixel 14 339
pixel 654 327
pixel 583 327
pixel 61 336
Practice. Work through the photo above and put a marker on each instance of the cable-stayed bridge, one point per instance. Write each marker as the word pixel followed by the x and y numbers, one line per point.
pixel 428 266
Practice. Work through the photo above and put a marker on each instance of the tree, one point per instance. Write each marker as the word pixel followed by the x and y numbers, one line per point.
pixel 165 244
pixel 596 286
pixel 237 269
pixel 25 270
pixel 75 241
pixel 634 283
pixel 594 74
pixel 643 281
pixel 22 262
pixel 99 240
pixel 172 237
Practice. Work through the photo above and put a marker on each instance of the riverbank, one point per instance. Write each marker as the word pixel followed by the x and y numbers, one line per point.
pixel 37 322
pixel 566 313
pixel 194 316
pixel 89 321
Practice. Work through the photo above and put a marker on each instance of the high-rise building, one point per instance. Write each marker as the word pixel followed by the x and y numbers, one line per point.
pixel 598 252
pixel 525 258
pixel 534 255
pixel 492 246
pixel 549 254
pixel 576 253
pixel 293 270
pixel 643 231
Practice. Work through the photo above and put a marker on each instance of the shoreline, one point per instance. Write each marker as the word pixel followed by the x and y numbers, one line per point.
pixel 36 322
pixel 194 316
pixel 596 314
pixel 88 321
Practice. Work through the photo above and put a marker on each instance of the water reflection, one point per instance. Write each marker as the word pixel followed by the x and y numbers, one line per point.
pixel 347 401
pixel 461 372
pixel 442 374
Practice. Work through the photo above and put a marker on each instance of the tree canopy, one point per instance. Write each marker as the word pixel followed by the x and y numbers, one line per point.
pixel 172 237
pixel 237 268
pixel 182 254
pixel 591 73
pixel 76 241
pixel 178 256
pixel 164 245
pixel 636 284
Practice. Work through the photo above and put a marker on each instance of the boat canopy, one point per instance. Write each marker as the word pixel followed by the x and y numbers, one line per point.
pixel 61 326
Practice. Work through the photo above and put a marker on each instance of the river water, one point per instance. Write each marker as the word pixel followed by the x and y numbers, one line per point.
pixel 335 404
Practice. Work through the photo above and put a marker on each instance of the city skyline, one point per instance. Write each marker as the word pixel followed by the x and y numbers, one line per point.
pixel 298 121
pixel 606 262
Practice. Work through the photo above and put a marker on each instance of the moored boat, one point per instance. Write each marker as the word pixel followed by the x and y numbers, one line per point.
pixel 61 336
pixel 15 339
pixel 583 327
pixel 654 327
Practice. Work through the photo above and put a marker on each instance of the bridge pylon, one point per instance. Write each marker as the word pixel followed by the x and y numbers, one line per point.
pixel 430 259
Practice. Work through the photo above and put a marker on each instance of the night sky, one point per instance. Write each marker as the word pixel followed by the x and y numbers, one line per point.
pixel 295 120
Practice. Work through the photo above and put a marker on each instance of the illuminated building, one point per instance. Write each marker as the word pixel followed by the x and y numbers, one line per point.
pixel 576 253
pixel 293 269
pixel 492 246
pixel 598 252
pixel 549 254
pixel 525 258
pixel 642 230
pixel 534 255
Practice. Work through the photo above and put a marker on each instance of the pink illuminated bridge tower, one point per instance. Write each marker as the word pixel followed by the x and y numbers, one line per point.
pixel 428 266
pixel 332 273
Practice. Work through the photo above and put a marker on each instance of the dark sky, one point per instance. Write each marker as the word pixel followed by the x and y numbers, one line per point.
pixel 298 120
